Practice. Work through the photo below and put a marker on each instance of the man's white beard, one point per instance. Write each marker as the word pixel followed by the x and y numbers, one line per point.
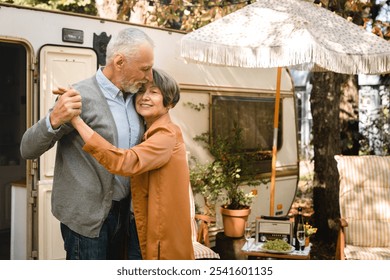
pixel 133 88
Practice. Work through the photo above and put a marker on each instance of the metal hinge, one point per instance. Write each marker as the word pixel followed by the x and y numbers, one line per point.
pixel 34 255
pixel 32 199
pixel 32 65
pixel 34 167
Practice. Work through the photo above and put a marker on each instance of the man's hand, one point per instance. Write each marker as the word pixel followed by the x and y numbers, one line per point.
pixel 67 106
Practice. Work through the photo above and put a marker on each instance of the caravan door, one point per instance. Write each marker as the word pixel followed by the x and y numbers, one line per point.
pixel 58 66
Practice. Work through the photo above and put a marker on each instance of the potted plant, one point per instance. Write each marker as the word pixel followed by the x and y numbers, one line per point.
pixel 221 180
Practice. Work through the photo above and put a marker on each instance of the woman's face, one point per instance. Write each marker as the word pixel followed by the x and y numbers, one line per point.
pixel 150 104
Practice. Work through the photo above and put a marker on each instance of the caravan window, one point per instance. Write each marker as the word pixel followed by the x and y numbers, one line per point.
pixel 254 116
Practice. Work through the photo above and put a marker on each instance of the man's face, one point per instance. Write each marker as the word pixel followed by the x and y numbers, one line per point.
pixel 137 70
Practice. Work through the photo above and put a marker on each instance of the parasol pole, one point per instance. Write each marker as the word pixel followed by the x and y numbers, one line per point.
pixel 275 142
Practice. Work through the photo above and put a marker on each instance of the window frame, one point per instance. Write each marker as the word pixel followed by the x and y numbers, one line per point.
pixel 261 162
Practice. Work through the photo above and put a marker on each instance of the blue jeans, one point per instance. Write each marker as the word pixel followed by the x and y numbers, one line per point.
pixel 108 246
pixel 133 249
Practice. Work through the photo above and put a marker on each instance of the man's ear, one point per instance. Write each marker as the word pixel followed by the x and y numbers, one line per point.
pixel 119 61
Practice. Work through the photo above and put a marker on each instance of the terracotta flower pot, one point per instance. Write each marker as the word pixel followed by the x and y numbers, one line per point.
pixel 234 221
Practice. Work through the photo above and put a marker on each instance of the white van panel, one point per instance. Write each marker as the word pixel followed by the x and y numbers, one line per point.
pixel 287 155
pixel 183 117
pixel 60 66
pixel 283 195
pixel 50 243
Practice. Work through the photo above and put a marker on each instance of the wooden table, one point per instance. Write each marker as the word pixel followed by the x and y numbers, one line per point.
pixel 255 252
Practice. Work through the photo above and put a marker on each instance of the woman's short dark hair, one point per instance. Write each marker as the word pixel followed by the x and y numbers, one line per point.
pixel 168 86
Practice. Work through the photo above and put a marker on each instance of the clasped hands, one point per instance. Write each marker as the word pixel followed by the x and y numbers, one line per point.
pixel 67 108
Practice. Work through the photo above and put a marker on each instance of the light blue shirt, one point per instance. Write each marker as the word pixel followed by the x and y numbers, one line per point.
pixel 129 124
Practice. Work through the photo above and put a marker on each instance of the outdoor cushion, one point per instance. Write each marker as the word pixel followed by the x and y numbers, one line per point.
pixel 364 199
pixel 366 253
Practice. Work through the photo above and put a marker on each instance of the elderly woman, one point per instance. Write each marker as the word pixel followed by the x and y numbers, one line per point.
pixel 158 170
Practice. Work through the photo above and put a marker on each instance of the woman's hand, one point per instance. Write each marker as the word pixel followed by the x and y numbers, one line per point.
pixel 76 121
pixel 84 130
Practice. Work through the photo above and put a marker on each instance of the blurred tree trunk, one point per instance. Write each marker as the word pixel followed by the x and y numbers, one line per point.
pixel 325 108
pixel 349 116
pixel 334 106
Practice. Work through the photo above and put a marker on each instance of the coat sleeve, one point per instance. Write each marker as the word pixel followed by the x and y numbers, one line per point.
pixel 149 155
pixel 38 139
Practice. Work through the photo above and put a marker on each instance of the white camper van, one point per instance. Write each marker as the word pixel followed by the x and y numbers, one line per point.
pixel 41 50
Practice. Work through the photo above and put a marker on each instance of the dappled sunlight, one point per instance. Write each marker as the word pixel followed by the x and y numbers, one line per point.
pixel 272 33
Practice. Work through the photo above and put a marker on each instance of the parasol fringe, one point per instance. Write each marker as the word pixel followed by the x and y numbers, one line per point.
pixel 285 56
pixel 350 63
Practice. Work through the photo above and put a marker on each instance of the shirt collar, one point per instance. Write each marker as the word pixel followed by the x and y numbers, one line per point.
pixel 106 85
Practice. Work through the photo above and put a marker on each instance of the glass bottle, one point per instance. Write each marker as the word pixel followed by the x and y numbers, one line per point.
pixel 298 225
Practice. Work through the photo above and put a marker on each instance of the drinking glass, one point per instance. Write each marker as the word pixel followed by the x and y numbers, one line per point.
pixel 248 233
pixel 301 236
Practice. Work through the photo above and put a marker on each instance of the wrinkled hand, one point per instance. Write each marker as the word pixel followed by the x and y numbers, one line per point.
pixel 67 107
